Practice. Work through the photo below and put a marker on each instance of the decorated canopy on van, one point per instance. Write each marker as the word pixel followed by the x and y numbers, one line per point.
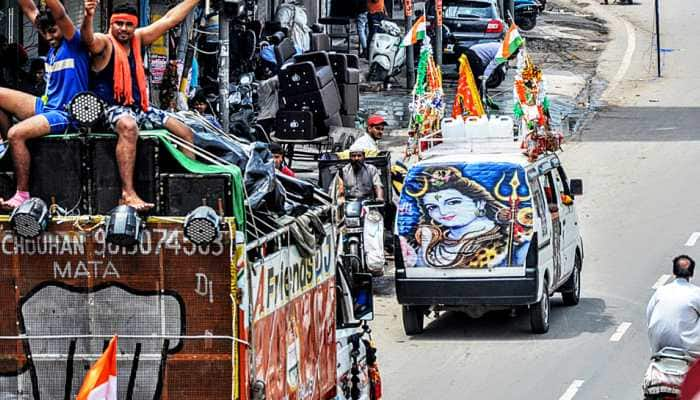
pixel 465 217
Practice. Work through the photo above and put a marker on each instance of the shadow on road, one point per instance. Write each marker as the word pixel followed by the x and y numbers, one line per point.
pixel 589 316
pixel 658 124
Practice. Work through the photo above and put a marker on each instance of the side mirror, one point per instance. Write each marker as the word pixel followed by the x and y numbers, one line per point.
pixel 363 302
pixel 576 187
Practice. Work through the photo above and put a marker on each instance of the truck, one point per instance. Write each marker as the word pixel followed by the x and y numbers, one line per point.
pixel 210 298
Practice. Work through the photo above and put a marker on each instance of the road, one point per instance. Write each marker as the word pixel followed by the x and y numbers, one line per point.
pixel 639 160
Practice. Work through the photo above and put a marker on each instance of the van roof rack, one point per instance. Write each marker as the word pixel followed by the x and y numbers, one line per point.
pixel 483 138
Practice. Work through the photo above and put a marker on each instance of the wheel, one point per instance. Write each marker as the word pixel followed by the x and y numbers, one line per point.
pixel 412 319
pixel 539 312
pixel 572 295
pixel 527 23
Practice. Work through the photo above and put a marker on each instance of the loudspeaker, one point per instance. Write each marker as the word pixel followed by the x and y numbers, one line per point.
pixel 105 182
pixel 294 125
pixel 182 193
pixel 57 171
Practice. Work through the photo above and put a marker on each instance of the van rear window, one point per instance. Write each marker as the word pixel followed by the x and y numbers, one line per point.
pixel 465 216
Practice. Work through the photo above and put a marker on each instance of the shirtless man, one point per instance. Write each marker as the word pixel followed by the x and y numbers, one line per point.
pixel 119 79
pixel 67 65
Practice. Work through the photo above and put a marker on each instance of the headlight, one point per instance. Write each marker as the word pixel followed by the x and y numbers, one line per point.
pixel 352 222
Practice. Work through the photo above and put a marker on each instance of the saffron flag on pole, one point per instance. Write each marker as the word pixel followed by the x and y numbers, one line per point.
pixel 416 33
pixel 100 383
pixel 467 99
pixel 511 43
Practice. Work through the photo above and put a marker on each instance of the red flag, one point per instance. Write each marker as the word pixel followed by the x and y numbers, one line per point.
pixel 100 383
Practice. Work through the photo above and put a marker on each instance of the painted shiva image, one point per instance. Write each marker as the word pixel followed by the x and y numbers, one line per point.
pixel 465 216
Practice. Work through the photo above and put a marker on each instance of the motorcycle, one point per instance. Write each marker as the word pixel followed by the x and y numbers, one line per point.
pixel 386 55
pixel 526 13
pixel 665 374
pixel 364 241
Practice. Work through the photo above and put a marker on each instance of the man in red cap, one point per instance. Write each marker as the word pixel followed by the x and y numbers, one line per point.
pixel 375 131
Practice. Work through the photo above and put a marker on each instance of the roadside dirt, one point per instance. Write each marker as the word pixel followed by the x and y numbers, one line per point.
pixel 567 37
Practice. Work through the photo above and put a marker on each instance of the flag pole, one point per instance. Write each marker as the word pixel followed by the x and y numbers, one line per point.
pixel 410 66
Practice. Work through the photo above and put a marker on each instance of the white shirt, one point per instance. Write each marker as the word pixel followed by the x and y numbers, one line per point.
pixel 673 316
pixel 365 142
pixel 487 52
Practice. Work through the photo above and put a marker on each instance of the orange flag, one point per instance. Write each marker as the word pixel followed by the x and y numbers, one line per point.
pixel 100 383
pixel 467 100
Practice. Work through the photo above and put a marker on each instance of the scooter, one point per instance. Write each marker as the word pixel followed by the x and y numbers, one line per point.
pixel 364 231
pixel 526 13
pixel 386 55
pixel 665 374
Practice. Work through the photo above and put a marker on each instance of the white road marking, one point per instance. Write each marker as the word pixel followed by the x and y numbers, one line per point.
pixel 626 59
pixel 620 331
pixel 692 239
pixel 572 390
pixel 662 281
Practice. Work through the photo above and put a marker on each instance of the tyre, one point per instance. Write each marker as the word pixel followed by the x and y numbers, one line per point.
pixel 412 319
pixel 539 312
pixel 527 23
pixel 572 295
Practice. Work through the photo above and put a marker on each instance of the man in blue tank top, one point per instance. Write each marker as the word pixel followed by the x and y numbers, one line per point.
pixel 119 79
pixel 67 67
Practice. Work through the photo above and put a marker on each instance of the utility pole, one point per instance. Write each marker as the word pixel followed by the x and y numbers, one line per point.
pixel 438 32
pixel 658 39
pixel 410 71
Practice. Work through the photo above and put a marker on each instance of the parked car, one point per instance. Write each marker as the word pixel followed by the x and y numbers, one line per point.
pixel 468 23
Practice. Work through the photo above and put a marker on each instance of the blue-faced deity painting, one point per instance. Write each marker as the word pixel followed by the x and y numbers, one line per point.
pixel 459 216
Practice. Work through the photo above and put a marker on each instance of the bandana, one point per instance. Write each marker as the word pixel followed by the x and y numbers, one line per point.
pixel 122 72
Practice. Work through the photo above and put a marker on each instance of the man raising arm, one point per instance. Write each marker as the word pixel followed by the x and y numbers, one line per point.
pixel 67 69
pixel 120 81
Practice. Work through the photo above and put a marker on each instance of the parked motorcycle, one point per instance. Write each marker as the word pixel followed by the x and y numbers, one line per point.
pixel 665 374
pixel 526 13
pixel 364 235
pixel 386 55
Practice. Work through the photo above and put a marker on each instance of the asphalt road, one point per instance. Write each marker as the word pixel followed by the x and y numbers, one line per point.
pixel 639 160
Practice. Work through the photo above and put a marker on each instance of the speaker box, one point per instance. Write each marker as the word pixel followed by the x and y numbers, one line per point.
pixel 294 125
pixel 182 193
pixel 105 183
pixel 57 171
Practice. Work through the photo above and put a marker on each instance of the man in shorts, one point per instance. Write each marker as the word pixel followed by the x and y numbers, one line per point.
pixel 67 67
pixel 119 79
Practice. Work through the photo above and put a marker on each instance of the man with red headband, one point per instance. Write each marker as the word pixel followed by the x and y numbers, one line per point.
pixel 120 80
pixel 67 67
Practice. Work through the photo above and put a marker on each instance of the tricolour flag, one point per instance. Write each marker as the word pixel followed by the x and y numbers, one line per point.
pixel 416 33
pixel 100 383
pixel 467 99
pixel 510 44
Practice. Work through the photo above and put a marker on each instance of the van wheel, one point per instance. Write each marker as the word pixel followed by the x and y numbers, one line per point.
pixel 539 312
pixel 572 296
pixel 412 319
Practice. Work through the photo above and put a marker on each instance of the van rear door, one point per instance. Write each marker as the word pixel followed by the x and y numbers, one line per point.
pixel 461 220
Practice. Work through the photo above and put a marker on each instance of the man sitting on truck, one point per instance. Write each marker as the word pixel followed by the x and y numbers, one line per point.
pixel 120 80
pixel 673 313
pixel 359 179
pixel 67 64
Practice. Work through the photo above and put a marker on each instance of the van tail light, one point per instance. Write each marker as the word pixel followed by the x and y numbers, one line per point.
pixel 494 26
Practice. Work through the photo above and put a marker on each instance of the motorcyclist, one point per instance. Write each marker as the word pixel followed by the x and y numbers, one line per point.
pixel 673 313
pixel 359 179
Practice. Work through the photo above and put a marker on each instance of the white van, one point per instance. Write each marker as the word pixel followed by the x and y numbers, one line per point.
pixel 486 231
